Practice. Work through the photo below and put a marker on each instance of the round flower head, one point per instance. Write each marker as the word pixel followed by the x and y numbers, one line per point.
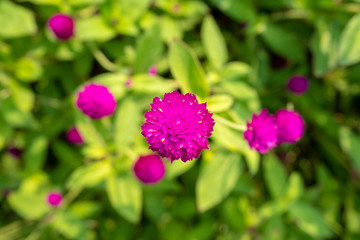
pixel 298 84
pixel 178 126
pixel 54 198
pixel 291 126
pixel 73 136
pixel 149 169
pixel 62 26
pixel 96 101
pixel 262 132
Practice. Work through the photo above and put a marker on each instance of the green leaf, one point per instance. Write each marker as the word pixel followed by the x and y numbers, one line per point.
pixel 16 21
pixel 350 143
pixel 23 97
pixel 214 42
pixel 94 29
pixel 84 2
pixel 176 168
pixel 275 176
pixel 28 70
pixel 244 93
pixel 89 175
pixel 5 132
pixel 283 42
pixel 219 102
pixel 238 10
pixel 127 122
pixel 144 83
pixel 186 68
pixel 252 158
pixel 29 205
pixel 69 225
pixel 217 179
pixel 325 46
pixel 349 51
pixel 148 49
pixel 35 154
pixel 230 139
pixel 310 220
pixel 125 196
pixel 296 186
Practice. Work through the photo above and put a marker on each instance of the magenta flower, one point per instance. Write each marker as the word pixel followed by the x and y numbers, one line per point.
pixel 178 126
pixel 73 136
pixel 54 198
pixel 261 132
pixel 62 26
pixel 152 70
pixel 298 84
pixel 96 101
pixel 291 126
pixel 149 168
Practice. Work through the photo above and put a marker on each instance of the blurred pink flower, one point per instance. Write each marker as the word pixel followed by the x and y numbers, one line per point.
pixel 73 136
pixel 62 26
pixel 96 101
pixel 291 126
pixel 298 84
pixel 152 70
pixel 54 198
pixel 149 168
pixel 261 132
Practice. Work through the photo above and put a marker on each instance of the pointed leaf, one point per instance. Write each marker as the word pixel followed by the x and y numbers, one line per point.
pixel 187 70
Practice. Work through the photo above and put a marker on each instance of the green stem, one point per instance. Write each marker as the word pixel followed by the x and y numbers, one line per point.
pixel 228 123
pixel 101 58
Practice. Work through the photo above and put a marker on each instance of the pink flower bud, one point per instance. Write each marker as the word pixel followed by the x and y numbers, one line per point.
pixel 149 169
pixel 54 198
pixel 74 136
pixel 62 26
pixel 298 84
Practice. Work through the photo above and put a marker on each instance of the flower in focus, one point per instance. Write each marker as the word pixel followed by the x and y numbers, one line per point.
pixel 177 126
pixel 290 124
pixel 96 101
pixel 298 84
pixel 149 168
pixel 152 70
pixel 73 136
pixel 261 132
pixel 54 198
pixel 62 26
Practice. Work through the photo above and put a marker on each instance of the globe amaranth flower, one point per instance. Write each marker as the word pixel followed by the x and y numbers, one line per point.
pixel 149 168
pixel 290 124
pixel 177 126
pixel 62 26
pixel 73 136
pixel 54 198
pixel 262 133
pixel 96 101
pixel 298 84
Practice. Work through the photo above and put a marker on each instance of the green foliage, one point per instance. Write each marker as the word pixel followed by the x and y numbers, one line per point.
pixel 235 56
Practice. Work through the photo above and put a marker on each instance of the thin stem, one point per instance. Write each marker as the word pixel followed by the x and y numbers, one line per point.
pixel 228 123
pixel 101 58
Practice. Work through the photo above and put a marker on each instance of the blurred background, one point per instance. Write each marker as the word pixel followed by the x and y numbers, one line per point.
pixel 238 56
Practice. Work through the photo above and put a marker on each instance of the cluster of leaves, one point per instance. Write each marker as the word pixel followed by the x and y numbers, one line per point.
pixel 236 56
